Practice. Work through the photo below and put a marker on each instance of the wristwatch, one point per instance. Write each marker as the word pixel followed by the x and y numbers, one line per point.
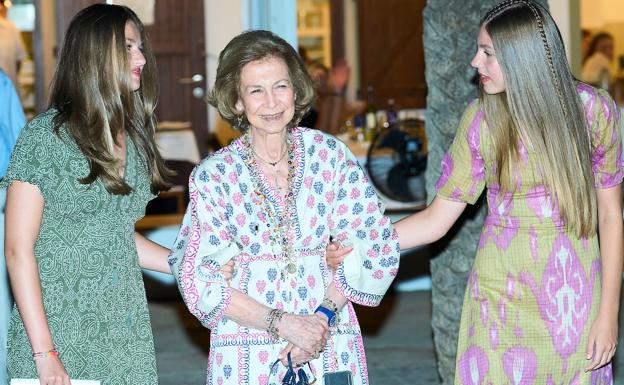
pixel 331 316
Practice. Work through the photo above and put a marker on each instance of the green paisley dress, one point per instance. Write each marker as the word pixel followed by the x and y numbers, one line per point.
pixel 91 281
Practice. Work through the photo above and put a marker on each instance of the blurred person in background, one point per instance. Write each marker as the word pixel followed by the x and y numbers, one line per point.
pixel 586 38
pixel 597 67
pixel 12 48
pixel 11 122
pixel 329 88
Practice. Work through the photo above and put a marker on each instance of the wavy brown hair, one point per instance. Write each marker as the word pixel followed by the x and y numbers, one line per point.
pixel 540 108
pixel 92 92
pixel 249 47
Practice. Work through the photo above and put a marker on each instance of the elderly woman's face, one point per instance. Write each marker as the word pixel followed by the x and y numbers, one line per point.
pixel 267 96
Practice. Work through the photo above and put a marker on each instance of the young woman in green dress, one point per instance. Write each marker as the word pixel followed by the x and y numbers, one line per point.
pixel 80 177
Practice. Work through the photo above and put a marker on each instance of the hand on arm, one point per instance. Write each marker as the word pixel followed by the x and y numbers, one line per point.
pixel 228 270
pixel 153 256
pixel 430 224
pixel 603 334
pixel 23 215
pixel 335 253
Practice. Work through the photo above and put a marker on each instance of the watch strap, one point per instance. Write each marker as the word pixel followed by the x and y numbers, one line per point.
pixel 331 316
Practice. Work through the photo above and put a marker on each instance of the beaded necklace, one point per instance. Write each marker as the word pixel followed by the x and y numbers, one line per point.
pixel 280 220
pixel 276 185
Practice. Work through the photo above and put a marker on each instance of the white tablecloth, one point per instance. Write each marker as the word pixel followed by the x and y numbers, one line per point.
pixel 178 145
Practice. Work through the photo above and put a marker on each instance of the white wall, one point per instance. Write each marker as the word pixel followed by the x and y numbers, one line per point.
pixel 223 21
pixel 351 47
pixel 560 11
pixel 45 60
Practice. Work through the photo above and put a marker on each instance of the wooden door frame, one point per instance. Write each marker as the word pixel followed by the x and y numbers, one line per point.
pixel 336 8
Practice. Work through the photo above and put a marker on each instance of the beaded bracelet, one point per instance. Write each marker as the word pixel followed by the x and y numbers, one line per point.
pixel 272 319
pixel 49 353
pixel 329 304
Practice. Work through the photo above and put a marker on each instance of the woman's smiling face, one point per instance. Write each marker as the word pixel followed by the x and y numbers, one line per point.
pixel 267 96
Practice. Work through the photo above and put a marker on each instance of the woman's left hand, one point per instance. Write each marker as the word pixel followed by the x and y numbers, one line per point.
pixel 602 341
pixel 298 356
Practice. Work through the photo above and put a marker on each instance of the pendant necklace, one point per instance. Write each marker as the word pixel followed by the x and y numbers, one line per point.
pixel 281 222
pixel 279 189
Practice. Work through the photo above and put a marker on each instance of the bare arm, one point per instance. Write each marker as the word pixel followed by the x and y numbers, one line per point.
pixel 23 215
pixel 430 224
pixel 604 332
pixel 152 256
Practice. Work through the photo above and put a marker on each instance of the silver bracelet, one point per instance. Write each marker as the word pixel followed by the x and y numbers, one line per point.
pixel 329 304
pixel 272 319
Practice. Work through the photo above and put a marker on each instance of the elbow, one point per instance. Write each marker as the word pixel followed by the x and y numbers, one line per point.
pixel 15 255
pixel 439 233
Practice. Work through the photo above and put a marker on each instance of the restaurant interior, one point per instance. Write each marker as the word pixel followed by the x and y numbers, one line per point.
pixel 382 114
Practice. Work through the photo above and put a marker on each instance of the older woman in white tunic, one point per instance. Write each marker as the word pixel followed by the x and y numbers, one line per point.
pixel 271 201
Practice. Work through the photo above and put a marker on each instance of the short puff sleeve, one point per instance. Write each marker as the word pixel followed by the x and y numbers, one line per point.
pixel 606 141
pixel 35 156
pixel 463 166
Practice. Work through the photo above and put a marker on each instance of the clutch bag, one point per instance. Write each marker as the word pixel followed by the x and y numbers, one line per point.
pixel 338 378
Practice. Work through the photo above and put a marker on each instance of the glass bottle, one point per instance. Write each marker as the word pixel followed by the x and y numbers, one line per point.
pixel 371 115
pixel 392 115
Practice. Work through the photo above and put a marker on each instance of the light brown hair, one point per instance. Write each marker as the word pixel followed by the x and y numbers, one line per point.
pixel 249 47
pixel 92 92
pixel 540 108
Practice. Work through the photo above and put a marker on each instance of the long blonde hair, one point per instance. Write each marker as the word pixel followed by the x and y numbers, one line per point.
pixel 92 92
pixel 540 108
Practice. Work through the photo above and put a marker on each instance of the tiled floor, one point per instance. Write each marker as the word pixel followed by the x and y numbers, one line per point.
pixel 397 337
pixel 397 340
pixel 397 334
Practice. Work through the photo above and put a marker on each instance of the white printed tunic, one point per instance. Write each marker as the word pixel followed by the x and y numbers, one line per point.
pixel 234 213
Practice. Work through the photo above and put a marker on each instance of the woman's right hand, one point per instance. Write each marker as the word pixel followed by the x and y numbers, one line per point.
pixel 228 270
pixel 51 371
pixel 335 254
pixel 309 332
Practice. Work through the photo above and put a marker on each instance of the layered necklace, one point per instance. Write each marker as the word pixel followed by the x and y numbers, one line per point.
pixel 274 168
pixel 280 219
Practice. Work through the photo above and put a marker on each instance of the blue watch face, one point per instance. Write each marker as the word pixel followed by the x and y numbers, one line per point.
pixel 331 316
